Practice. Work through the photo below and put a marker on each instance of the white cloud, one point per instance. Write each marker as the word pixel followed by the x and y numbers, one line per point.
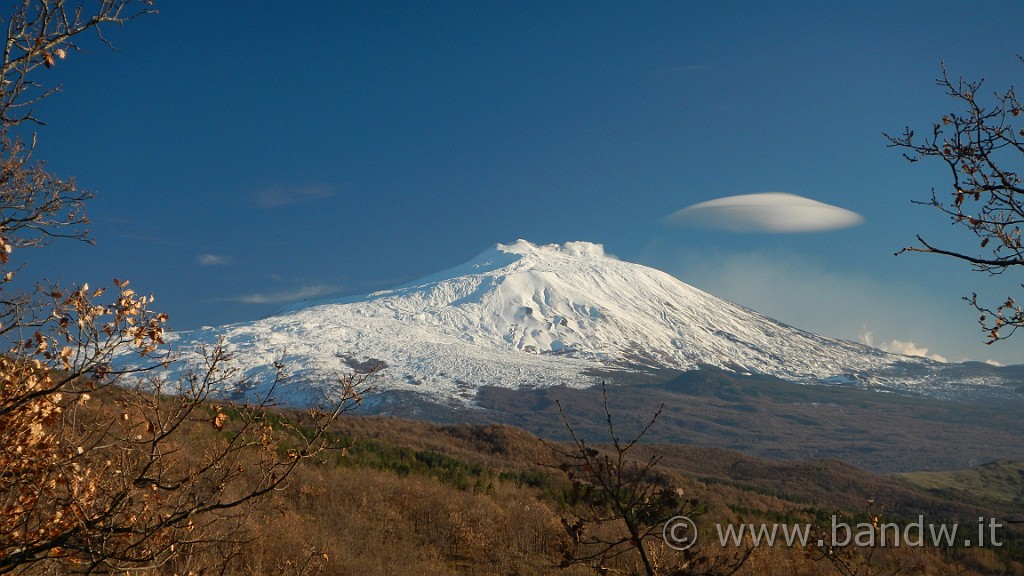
pixel 281 297
pixel 211 260
pixel 904 347
pixel 827 299
pixel 775 212
pixel 286 196
pixel 910 349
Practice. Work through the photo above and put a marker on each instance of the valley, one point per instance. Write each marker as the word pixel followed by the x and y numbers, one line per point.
pixel 479 372
pixel 762 416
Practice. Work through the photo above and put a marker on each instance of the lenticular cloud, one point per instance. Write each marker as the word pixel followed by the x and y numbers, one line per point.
pixel 776 212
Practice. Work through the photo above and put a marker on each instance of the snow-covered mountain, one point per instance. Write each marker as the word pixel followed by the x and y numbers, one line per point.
pixel 524 315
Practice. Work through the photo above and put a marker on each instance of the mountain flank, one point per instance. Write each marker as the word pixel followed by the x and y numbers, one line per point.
pixel 523 316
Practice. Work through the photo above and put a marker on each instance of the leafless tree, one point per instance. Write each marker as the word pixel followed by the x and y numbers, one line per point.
pixel 621 506
pixel 41 33
pixel 982 145
pixel 870 547
pixel 106 468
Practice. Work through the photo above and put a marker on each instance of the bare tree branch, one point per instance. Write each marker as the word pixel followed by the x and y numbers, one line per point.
pixel 982 147
pixel 106 468
pixel 621 507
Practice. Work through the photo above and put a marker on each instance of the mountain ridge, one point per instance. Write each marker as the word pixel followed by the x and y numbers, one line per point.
pixel 527 315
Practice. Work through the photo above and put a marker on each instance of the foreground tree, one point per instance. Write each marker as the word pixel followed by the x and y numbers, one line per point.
pixel 863 551
pixel 105 468
pixel 624 509
pixel 983 146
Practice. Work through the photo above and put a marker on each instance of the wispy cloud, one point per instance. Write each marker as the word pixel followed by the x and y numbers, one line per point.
pixel 282 297
pixel 904 347
pixel 286 196
pixel 910 349
pixel 828 300
pixel 211 260
pixel 773 212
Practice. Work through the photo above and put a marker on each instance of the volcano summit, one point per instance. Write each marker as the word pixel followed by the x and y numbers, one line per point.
pixel 525 315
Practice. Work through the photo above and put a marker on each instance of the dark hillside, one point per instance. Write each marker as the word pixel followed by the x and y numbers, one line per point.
pixel 767 417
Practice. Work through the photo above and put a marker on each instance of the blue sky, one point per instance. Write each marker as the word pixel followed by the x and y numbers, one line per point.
pixel 245 154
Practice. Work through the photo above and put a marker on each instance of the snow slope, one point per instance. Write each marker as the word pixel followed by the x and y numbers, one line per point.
pixel 528 315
